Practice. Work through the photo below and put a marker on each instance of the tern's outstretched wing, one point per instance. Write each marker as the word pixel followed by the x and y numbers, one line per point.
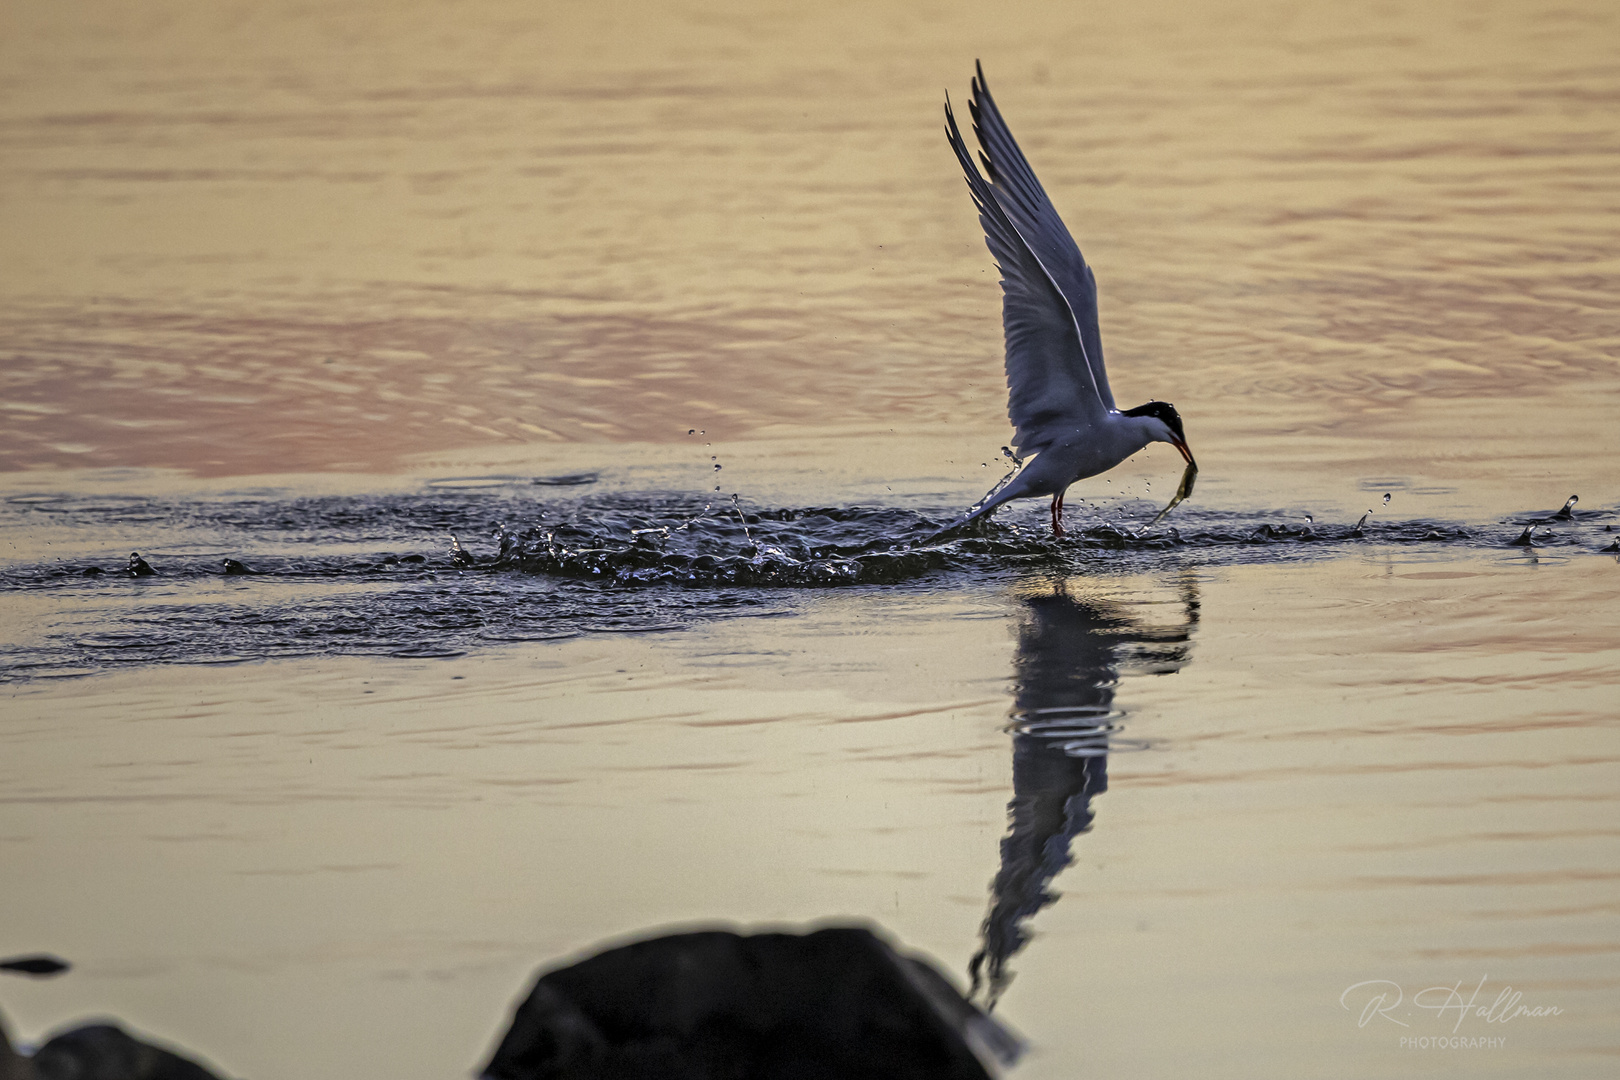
pixel 1050 389
pixel 1031 212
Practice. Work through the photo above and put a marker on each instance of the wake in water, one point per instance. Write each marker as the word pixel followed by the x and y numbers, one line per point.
pixel 226 580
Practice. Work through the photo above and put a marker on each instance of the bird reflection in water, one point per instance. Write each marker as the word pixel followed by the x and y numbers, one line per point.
pixel 1071 653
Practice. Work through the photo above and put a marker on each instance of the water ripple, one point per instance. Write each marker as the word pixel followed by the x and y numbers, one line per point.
pixel 263 577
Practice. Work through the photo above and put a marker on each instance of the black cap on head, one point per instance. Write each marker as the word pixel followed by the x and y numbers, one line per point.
pixel 1164 411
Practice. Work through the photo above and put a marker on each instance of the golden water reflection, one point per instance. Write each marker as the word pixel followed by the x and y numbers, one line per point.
pixel 1363 249
pixel 283 239
pixel 1362 775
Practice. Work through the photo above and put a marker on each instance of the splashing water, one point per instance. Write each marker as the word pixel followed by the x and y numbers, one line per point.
pixel 373 575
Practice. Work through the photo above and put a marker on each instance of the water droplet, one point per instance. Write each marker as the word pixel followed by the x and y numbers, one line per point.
pixel 1309 520
pixel 1569 507
pixel 1363 521
pixel 1386 498
pixel 691 431
pixel 717 466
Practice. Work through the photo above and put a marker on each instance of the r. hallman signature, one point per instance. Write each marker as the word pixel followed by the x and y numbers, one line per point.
pixel 1379 997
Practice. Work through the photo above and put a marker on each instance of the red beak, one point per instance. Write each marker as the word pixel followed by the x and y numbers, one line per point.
pixel 1186 453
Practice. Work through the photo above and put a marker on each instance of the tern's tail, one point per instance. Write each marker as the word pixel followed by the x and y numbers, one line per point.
pixel 957 524
pixel 987 505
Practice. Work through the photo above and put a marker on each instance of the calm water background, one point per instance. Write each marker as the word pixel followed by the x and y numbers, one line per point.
pixel 310 287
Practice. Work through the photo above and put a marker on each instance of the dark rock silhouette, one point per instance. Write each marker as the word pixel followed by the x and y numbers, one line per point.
pixel 834 1004
pixel 107 1052
pixel 91 1052
pixel 97 1052
pixel 40 964
pixel 13 1066
pixel 1070 656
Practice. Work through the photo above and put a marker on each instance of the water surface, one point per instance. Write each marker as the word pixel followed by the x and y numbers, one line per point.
pixel 313 289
